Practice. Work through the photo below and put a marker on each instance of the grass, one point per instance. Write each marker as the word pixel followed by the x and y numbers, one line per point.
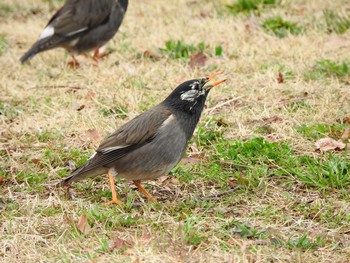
pixel 249 6
pixel 335 22
pixel 326 68
pixel 252 188
pixel 280 27
pixel 178 49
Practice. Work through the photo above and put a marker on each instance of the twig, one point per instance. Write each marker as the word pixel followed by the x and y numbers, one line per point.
pixel 216 196
pixel 211 110
pixel 56 87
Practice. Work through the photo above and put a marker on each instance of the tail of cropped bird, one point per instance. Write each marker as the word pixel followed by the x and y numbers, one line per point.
pixel 35 49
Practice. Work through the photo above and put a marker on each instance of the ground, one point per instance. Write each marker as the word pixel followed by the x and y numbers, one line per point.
pixel 252 187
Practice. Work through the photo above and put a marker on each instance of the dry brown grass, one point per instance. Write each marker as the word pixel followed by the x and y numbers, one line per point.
pixel 45 94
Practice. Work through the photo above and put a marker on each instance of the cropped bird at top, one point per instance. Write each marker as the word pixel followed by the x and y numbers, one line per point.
pixel 80 26
pixel 151 144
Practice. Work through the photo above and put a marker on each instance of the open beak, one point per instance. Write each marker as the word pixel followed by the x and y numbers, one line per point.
pixel 215 83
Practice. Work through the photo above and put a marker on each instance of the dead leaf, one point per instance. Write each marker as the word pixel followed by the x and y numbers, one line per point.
pixel 329 144
pixel 83 225
pixel 175 181
pixel 119 243
pixel 152 55
pixel 346 120
pixel 90 94
pixel 280 78
pixel 269 120
pixel 163 178
pixel 93 134
pixel 272 138
pixel 197 60
pixel 81 107
pixel 346 134
pixel 194 149
pixel 1 180
pixel 36 161
pixel 187 160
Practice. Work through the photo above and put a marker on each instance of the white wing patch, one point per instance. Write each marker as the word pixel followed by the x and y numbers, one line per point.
pixel 167 121
pixel 76 32
pixel 92 156
pixel 48 32
pixel 110 149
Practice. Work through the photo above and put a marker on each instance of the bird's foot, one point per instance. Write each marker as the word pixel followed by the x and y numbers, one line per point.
pixel 73 63
pixel 144 191
pixel 114 201
pixel 99 55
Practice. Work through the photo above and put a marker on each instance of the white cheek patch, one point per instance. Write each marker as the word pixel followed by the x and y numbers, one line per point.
pixel 194 84
pixel 48 32
pixel 189 95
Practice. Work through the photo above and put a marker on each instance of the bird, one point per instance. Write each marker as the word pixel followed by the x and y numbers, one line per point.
pixel 80 26
pixel 151 144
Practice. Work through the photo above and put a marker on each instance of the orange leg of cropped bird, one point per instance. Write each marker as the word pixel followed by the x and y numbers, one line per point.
pixel 73 63
pixel 114 200
pixel 97 55
pixel 143 190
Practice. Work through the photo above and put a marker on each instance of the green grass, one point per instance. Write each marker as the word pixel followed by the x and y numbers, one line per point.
pixel 248 6
pixel 254 161
pixel 176 49
pixel 328 68
pixel 280 27
pixel 318 131
pixel 336 23
pixel 3 43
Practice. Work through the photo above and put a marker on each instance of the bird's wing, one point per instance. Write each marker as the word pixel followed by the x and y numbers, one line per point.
pixel 132 135
pixel 79 15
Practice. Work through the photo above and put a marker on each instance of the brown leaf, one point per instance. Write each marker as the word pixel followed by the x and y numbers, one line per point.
pixel 81 107
pixel 272 138
pixel 346 134
pixel 163 178
pixel 187 160
pixel 329 144
pixel 197 60
pixel 83 225
pixel 1 180
pixel 90 94
pixel 346 120
pixel 119 243
pixel 93 134
pixel 269 120
pixel 152 55
pixel 175 181
pixel 280 78
pixel 194 149
pixel 36 161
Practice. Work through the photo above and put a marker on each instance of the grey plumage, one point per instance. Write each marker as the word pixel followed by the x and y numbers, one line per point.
pixel 80 25
pixel 151 144
pixel 128 149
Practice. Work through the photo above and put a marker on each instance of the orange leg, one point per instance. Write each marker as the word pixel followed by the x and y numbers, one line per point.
pixel 97 55
pixel 115 200
pixel 73 63
pixel 143 190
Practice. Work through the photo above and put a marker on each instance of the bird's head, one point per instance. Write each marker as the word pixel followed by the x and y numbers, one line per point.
pixel 190 96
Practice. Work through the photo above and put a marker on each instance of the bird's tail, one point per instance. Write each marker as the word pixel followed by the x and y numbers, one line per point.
pixel 35 49
pixel 80 174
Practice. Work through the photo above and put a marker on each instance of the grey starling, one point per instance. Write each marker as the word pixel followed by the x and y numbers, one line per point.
pixel 151 144
pixel 80 26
